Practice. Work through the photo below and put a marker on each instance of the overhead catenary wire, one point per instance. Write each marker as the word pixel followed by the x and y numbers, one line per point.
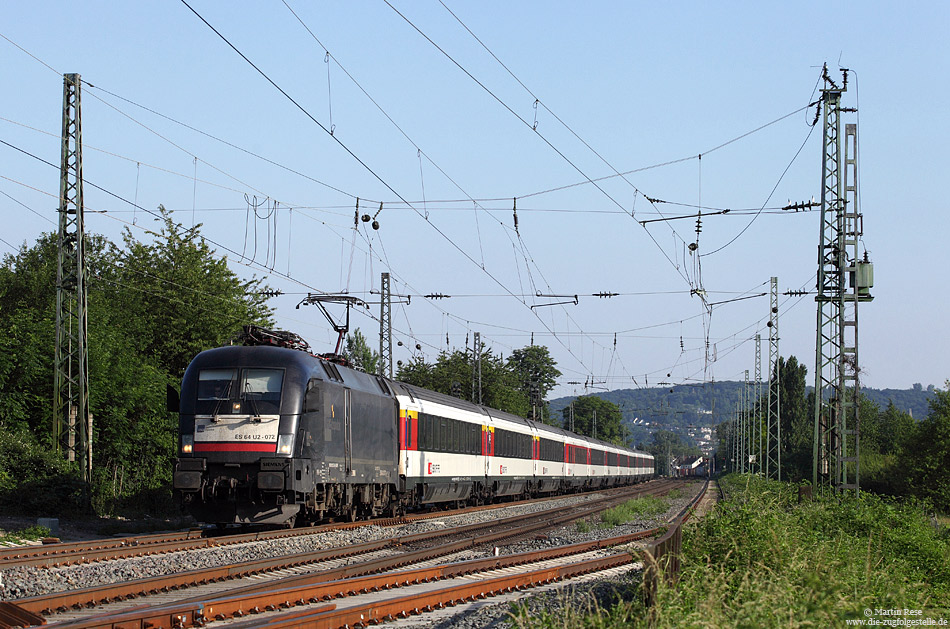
pixel 370 234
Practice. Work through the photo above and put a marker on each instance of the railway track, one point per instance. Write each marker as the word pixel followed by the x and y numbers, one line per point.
pixel 217 600
pixel 70 553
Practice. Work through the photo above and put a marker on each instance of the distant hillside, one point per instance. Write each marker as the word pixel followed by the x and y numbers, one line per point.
pixel 680 408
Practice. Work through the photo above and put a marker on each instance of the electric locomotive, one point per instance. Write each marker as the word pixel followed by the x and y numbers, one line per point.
pixel 274 435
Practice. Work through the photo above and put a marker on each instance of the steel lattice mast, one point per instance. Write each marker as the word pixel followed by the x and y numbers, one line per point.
pixel 746 427
pixel 836 448
pixel 385 368
pixel 757 408
pixel 72 421
pixel 773 436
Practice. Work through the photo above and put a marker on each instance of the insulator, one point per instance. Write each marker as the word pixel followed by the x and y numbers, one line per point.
pixel 365 218
pixel 375 224
pixel 418 347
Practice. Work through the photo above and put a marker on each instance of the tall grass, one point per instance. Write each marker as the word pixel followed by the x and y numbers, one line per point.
pixel 762 559
pixel 636 509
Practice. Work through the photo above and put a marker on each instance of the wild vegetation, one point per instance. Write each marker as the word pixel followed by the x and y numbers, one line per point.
pixel 764 559
pixel 152 306
pixel 518 384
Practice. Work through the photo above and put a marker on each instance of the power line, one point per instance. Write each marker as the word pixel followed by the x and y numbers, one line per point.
pixel 225 142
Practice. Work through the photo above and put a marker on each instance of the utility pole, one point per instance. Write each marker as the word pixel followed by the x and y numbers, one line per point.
pixel 385 328
pixel 72 421
pixel 773 437
pixel 836 448
pixel 594 435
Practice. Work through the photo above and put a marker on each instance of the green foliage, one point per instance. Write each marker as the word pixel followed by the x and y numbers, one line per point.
pixel 151 307
pixel 34 479
pixel 590 407
pixel 666 446
pixel 178 298
pixel 357 351
pixel 637 509
pixel 763 559
pixel 30 533
pixel 506 385
pixel 797 420
pixel 927 456
pixel 536 374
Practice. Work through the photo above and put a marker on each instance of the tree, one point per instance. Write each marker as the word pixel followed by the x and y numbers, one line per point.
pixel 928 464
pixel 454 373
pixel 667 446
pixel 591 408
pixel 178 297
pixel 796 419
pixel 152 307
pixel 359 354
pixel 536 374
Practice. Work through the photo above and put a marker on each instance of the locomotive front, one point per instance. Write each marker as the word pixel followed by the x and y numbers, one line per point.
pixel 239 414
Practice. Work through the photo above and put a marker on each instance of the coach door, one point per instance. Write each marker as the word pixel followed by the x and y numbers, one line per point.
pixel 348 431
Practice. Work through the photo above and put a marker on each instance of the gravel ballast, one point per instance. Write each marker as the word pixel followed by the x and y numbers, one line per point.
pixel 24 582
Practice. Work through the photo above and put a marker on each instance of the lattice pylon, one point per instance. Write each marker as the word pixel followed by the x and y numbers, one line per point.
pixel 773 439
pixel 72 421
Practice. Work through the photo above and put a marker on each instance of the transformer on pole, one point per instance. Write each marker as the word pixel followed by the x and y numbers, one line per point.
pixel 72 421
pixel 385 368
pixel 773 436
pixel 836 448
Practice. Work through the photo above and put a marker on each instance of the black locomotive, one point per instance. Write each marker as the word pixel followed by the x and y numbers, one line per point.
pixel 275 435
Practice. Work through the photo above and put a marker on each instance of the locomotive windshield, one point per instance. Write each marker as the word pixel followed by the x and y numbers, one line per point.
pixel 239 391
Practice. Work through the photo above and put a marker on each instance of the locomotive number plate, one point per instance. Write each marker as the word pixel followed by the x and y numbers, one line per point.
pixel 242 428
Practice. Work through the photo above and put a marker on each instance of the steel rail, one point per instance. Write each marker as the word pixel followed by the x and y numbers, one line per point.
pixel 314 588
pixel 112 592
pixel 331 583
pixel 59 554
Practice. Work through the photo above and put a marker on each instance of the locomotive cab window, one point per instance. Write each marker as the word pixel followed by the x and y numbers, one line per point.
pixel 216 384
pixel 239 392
pixel 261 390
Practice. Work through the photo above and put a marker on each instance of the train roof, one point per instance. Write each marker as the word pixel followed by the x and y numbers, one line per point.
pixel 307 365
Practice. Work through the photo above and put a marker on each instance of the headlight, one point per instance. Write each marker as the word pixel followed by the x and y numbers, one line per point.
pixel 187 443
pixel 285 444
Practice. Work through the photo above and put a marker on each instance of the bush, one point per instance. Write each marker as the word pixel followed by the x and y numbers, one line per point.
pixel 34 480
pixel 763 559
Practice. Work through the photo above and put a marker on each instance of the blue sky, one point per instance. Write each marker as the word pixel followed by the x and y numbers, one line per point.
pixel 639 83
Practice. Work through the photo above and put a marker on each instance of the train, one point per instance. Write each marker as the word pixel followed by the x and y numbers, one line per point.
pixel 270 433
